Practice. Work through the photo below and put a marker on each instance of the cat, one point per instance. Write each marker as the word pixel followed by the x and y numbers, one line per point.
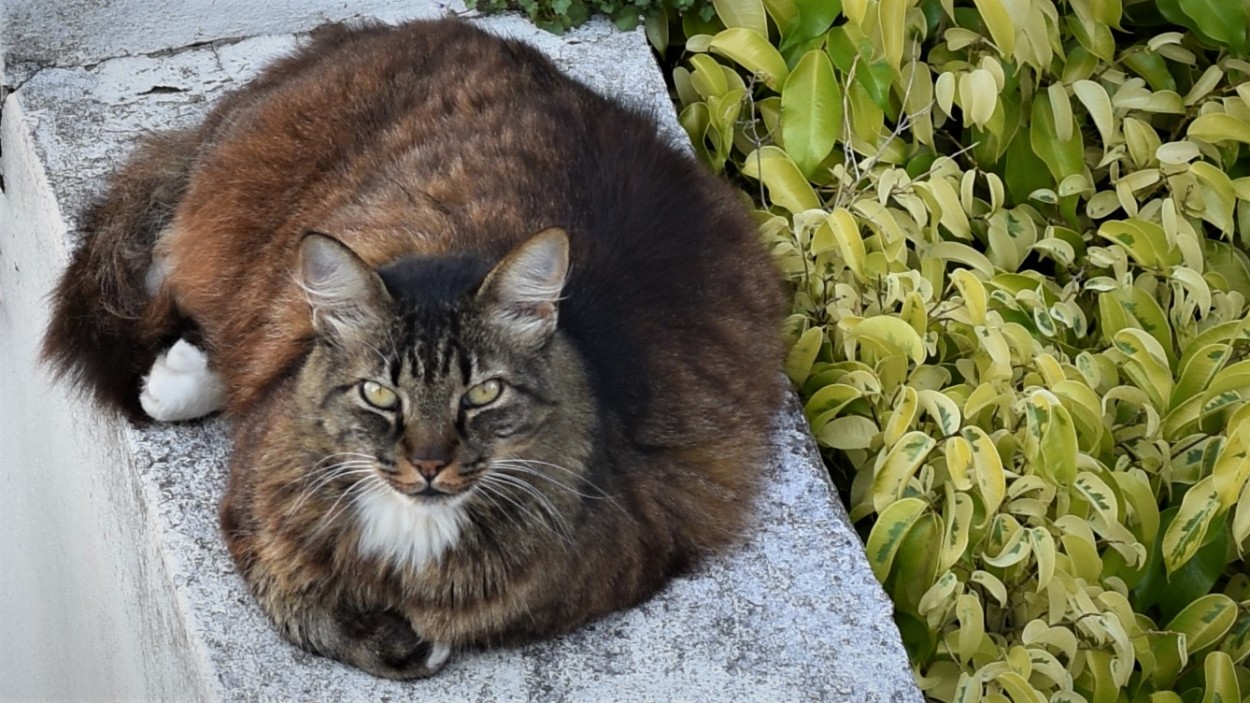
pixel 497 359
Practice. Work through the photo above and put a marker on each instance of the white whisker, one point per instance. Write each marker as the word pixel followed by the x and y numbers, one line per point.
pixel 335 510
pixel 320 476
pixel 527 466
pixel 556 518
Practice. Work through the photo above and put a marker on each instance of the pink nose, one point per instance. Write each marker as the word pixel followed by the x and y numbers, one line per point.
pixel 429 468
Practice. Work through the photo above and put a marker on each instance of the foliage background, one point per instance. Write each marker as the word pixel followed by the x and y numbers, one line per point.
pixel 1015 232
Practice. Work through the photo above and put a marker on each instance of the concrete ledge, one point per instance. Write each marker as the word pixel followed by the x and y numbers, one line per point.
pixel 115 527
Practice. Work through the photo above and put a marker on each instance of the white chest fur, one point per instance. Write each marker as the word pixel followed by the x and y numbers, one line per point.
pixel 408 534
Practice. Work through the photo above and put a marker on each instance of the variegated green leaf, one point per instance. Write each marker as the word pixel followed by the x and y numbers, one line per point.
pixel 900 464
pixel 1186 533
pixel 1205 621
pixel 887 534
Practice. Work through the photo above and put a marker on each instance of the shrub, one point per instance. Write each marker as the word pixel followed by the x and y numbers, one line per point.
pixel 560 15
pixel 1014 233
pixel 1015 236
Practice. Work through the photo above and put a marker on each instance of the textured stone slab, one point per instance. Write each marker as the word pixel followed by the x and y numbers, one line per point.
pixel 793 613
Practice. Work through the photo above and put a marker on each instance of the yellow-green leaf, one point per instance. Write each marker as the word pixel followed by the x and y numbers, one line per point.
pixel 1217 193
pixel 786 184
pixel 1099 496
pixel 1147 364
pixel 751 50
pixel 958 451
pixel 811 111
pixel 1098 104
pixel 1015 549
pixel 1145 241
pixel 1218 127
pixel 891 335
pixel 1241 519
pixel 887 534
pixel 1237 642
pixel 958 528
pixel 995 16
pixel 1063 157
pixel 1188 531
pixel 803 354
pixel 978 92
pixel 903 414
pixel 892 24
pixel 971 625
pixel 942 410
pixel 1205 621
pixel 847 432
pixel 748 14
pixel 973 293
pixel 1221 679
pixel 1058 446
pixel 846 234
pixel 942 198
pixel 899 466
pixel 1044 552
pixel 1143 508
pixel 961 253
pixel 1105 689
pixel 988 468
pixel 937 601
pixel 1232 466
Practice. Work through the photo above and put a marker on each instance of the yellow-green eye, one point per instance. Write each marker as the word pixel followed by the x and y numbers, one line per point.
pixel 483 393
pixel 378 395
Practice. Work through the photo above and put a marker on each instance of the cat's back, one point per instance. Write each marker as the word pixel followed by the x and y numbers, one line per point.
pixel 437 138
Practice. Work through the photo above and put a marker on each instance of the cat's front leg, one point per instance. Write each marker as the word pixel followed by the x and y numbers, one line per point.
pixel 181 386
pixel 381 642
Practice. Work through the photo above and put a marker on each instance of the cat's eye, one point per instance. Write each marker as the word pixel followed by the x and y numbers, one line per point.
pixel 378 395
pixel 483 393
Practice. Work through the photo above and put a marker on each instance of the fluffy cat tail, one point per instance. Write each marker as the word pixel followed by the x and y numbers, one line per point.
pixel 109 316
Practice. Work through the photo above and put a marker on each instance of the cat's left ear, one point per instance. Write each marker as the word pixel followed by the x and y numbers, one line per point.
pixel 521 293
pixel 344 292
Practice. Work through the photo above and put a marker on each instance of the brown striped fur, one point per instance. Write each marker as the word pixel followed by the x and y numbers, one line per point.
pixel 435 154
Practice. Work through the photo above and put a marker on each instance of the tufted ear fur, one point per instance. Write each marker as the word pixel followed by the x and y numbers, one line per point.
pixel 345 294
pixel 521 293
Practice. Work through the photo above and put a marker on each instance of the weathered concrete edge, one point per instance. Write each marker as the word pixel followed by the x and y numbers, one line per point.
pixel 132 641
pixel 812 457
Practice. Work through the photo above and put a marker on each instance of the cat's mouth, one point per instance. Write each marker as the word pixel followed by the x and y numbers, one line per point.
pixel 425 494
pixel 430 486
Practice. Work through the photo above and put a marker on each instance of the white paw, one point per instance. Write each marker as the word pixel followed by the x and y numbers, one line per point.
pixel 180 385
pixel 439 654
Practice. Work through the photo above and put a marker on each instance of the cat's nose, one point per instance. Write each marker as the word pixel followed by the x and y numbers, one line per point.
pixel 429 468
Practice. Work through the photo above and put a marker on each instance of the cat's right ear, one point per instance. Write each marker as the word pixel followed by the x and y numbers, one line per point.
pixel 345 294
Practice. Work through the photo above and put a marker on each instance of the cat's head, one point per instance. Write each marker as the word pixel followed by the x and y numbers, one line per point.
pixel 438 386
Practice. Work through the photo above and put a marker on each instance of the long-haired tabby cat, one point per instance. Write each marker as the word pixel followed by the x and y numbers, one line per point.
pixel 497 358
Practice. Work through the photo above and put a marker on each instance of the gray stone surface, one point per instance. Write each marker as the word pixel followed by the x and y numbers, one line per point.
pixel 792 613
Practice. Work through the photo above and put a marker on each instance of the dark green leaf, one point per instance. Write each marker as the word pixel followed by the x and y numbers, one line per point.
pixel 1194 579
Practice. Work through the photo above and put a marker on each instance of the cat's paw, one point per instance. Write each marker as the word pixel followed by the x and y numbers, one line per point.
pixel 180 385
pixel 384 644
